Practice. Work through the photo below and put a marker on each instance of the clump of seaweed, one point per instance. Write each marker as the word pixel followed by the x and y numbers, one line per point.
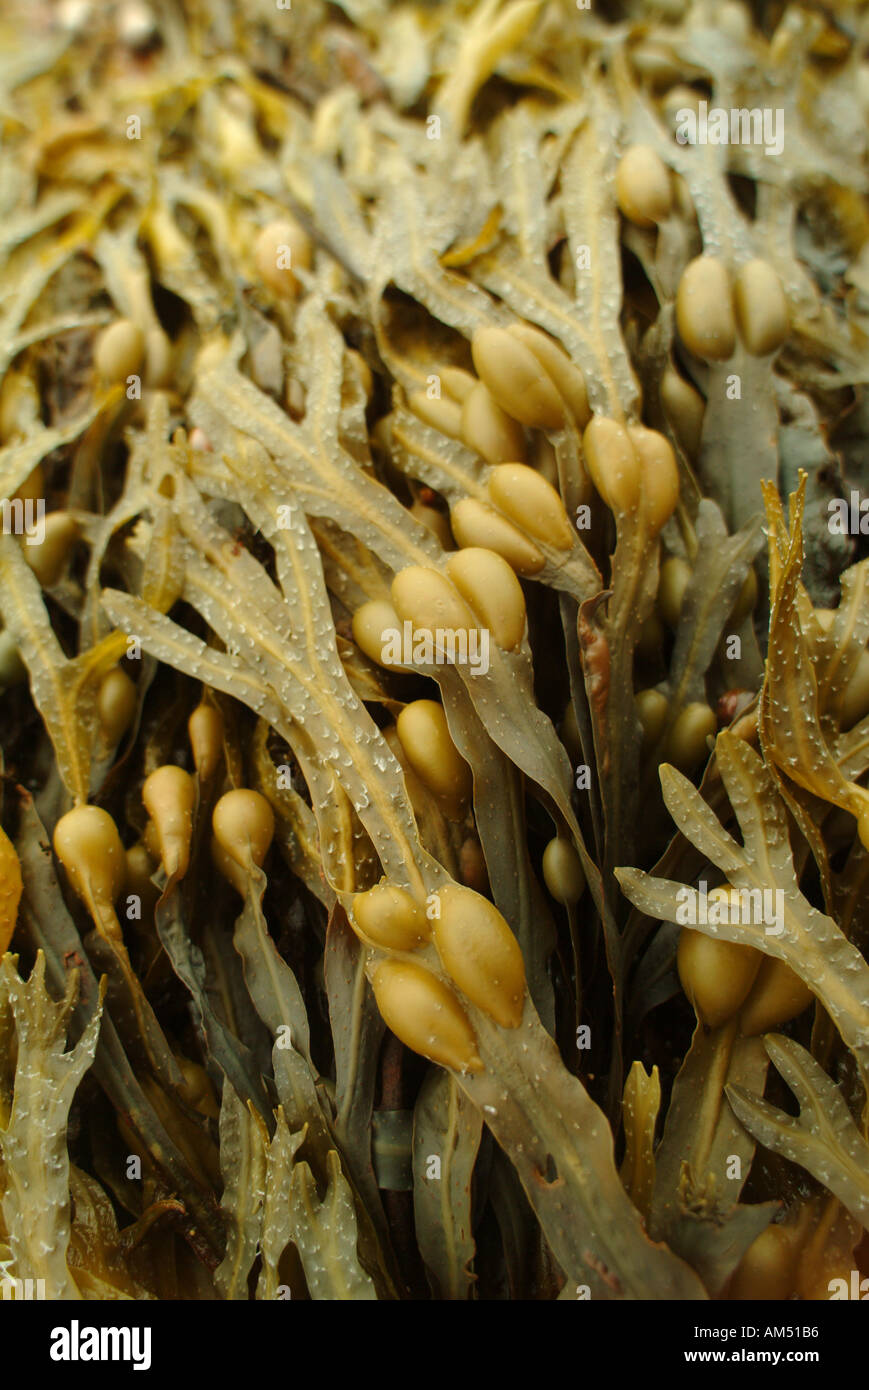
pixel 426 811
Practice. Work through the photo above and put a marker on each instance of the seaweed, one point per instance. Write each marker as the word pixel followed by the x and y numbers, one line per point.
pixel 428 1014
